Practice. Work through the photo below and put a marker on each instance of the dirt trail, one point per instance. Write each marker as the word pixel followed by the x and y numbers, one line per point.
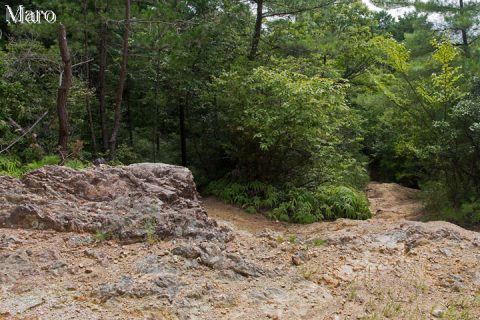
pixel 392 201
pixel 388 267
pixel 388 201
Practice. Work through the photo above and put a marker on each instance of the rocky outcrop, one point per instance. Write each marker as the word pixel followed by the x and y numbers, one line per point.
pixel 384 267
pixel 129 203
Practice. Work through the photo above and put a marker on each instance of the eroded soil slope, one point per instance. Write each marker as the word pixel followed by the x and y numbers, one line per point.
pixel 386 267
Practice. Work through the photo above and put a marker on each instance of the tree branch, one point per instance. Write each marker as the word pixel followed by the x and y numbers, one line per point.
pixel 24 133
pixel 300 10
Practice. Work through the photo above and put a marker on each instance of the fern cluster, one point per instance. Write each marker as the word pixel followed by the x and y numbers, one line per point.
pixel 253 196
pixel 10 166
pixel 298 205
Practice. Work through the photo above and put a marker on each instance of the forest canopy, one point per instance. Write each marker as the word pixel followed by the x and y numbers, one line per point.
pixel 282 107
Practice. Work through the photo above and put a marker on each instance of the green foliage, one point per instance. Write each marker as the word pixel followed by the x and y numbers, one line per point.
pixel 10 166
pixel 319 242
pixel 297 205
pixel 292 238
pixel 325 203
pixel 76 164
pixel 445 87
pixel 343 202
pixel 101 236
pixel 283 126
pixel 434 195
pixel 291 132
pixel 46 161
pixel 253 196
pixel 150 235
pixel 467 215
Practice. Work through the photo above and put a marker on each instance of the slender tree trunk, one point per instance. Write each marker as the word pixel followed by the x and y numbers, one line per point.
pixel 183 137
pixel 63 90
pixel 464 32
pixel 465 43
pixel 121 84
pixel 129 111
pixel 464 38
pixel 101 83
pixel 257 32
pixel 87 76
pixel 155 122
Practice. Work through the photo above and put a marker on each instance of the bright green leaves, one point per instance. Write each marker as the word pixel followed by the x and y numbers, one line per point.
pixel 298 205
pixel 288 127
pixel 391 53
pixel 444 53
pixel 435 96
pixel 290 104
pixel 444 85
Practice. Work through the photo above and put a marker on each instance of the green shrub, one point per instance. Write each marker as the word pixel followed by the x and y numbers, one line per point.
pixel 467 215
pixel 254 196
pixel 319 242
pixel 325 203
pixel 10 166
pixel 45 161
pixel 101 236
pixel 297 205
pixel 343 202
pixel 75 164
pixel 434 195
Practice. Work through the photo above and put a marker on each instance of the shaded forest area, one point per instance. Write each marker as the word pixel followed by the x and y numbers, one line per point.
pixel 282 107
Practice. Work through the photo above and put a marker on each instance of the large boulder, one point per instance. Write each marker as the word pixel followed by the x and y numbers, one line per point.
pixel 129 203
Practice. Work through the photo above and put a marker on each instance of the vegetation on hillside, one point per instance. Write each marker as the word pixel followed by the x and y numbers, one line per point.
pixel 282 107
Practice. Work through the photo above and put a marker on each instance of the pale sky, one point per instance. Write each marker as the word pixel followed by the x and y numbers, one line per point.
pixel 398 12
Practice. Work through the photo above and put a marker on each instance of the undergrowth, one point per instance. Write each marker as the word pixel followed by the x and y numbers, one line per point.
pixel 466 216
pixel 10 166
pixel 435 198
pixel 298 205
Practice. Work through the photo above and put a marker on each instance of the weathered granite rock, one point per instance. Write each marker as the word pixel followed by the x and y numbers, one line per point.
pixel 126 202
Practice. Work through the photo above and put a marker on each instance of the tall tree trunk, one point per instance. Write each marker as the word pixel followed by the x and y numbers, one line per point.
pixel 121 84
pixel 101 83
pixel 464 32
pixel 155 121
pixel 87 76
pixel 129 111
pixel 257 32
pixel 62 95
pixel 183 137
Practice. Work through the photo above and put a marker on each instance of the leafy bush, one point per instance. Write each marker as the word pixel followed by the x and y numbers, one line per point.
pixel 10 166
pixel 325 203
pixel 298 205
pixel 253 196
pixel 75 164
pixel 281 126
pixel 45 161
pixel 434 195
pixel 467 215
pixel 344 202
